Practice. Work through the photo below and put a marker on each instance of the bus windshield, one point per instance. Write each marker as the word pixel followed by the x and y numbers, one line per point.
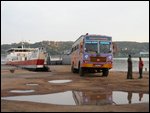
pixel 104 47
pixel 91 46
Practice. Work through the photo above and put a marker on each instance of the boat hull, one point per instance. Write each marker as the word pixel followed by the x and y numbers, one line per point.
pixel 36 64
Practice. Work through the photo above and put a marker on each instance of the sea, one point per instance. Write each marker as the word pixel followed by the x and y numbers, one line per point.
pixel 119 64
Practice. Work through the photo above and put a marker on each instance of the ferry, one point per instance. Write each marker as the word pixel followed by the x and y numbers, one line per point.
pixel 28 58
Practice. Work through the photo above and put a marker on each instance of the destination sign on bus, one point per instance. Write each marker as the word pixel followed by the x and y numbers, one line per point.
pixel 102 38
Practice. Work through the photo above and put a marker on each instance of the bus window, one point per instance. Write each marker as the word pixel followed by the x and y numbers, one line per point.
pixel 91 46
pixel 71 50
pixel 104 47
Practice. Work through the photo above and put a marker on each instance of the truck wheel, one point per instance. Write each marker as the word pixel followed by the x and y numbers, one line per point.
pixel 105 72
pixel 81 71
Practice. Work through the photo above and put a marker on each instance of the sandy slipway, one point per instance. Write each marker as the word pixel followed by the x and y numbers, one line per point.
pixel 116 81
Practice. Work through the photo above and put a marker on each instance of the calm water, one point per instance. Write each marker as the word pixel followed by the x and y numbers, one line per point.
pixel 119 64
pixel 3 59
pixel 85 98
pixel 29 84
pixel 21 91
pixel 59 81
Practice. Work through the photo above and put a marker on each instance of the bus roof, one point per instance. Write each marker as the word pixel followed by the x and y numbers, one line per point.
pixel 96 35
pixel 93 35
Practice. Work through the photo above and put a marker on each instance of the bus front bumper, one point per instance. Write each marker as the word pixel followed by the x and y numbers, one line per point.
pixel 86 65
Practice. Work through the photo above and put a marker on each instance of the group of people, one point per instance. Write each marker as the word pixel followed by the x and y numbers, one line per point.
pixel 141 64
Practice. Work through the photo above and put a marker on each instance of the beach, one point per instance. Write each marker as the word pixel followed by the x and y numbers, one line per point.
pixel 98 91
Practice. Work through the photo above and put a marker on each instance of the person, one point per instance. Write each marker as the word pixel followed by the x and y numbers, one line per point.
pixel 141 64
pixel 129 74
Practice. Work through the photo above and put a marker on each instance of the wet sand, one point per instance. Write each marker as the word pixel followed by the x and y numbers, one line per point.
pixel 116 81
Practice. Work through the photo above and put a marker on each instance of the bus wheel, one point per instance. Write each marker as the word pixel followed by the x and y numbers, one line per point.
pixel 81 71
pixel 105 72
pixel 72 69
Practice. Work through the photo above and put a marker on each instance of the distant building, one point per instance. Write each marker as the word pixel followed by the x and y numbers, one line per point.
pixel 144 54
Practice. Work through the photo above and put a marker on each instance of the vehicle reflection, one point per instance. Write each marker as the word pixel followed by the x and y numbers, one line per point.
pixel 92 98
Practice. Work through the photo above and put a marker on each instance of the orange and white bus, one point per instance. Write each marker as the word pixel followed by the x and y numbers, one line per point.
pixel 92 53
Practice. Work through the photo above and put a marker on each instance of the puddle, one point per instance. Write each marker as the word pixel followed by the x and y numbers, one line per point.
pixel 85 98
pixel 63 98
pixel 129 97
pixel 113 97
pixel 22 91
pixel 59 81
pixel 32 84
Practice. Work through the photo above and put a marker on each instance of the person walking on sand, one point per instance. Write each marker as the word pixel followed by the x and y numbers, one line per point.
pixel 129 74
pixel 141 64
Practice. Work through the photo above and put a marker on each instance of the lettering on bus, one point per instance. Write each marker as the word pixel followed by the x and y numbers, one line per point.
pixel 100 38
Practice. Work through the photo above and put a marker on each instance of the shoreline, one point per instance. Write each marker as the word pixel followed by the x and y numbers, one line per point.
pixel 116 81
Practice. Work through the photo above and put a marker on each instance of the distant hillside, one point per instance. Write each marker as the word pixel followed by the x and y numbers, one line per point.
pixel 52 47
pixel 57 48
pixel 133 48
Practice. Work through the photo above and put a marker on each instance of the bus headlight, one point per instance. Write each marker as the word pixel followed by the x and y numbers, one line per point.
pixel 109 57
pixel 86 56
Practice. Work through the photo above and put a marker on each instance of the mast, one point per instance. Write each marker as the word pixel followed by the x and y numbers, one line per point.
pixel 22 45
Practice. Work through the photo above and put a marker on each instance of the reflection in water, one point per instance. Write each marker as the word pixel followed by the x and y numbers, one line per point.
pixel 129 97
pixel 140 96
pixel 85 98
pixel 59 81
pixel 21 91
pixel 92 98
pixel 112 97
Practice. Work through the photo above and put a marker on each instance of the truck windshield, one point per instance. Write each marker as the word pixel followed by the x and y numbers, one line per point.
pixel 91 46
pixel 104 47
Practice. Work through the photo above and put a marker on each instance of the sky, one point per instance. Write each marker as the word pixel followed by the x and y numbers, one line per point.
pixel 35 21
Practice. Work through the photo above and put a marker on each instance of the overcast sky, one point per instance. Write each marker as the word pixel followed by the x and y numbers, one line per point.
pixel 35 21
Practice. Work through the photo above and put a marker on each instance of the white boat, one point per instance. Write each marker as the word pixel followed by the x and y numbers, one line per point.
pixel 30 58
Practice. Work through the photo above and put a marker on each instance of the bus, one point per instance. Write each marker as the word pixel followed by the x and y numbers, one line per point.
pixel 93 54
